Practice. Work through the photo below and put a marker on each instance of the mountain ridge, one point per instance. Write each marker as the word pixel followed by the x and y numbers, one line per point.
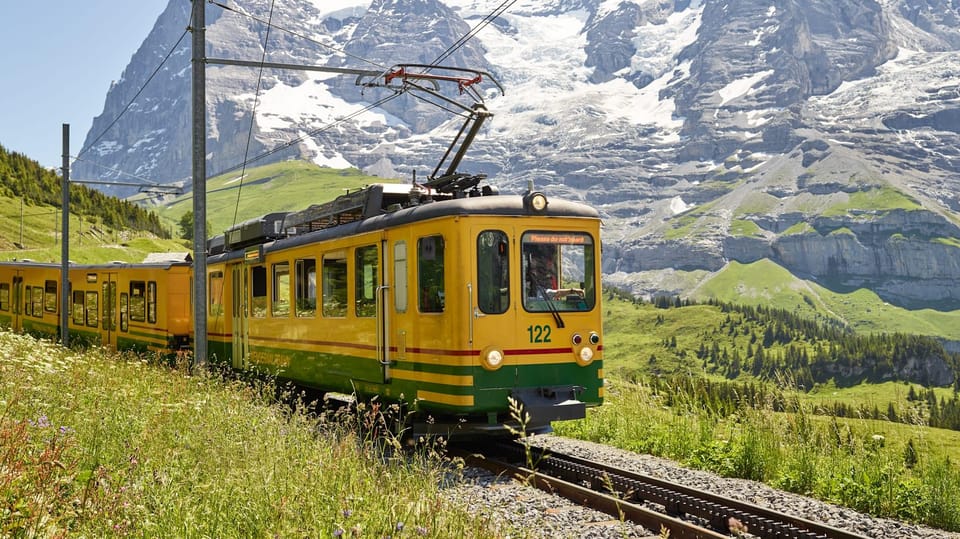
pixel 704 131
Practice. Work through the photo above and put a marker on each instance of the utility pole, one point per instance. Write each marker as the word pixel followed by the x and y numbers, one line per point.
pixel 65 242
pixel 199 183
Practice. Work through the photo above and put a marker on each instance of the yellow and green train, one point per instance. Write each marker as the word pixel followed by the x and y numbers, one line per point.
pixel 451 304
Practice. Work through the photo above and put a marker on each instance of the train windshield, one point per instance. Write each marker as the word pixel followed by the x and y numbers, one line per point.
pixel 559 271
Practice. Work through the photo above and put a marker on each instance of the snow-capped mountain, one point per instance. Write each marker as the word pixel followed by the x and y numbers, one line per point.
pixel 821 134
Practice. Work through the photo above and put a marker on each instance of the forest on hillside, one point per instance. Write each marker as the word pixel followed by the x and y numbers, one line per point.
pixel 767 343
pixel 765 354
pixel 23 177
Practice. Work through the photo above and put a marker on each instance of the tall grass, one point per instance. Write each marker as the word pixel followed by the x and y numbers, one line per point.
pixel 97 444
pixel 843 461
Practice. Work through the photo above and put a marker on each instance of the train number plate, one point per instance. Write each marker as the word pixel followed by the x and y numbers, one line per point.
pixel 539 334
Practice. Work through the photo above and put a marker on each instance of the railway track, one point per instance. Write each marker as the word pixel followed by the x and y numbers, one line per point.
pixel 653 503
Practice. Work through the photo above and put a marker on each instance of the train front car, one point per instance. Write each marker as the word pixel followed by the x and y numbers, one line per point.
pixel 452 304
pixel 514 283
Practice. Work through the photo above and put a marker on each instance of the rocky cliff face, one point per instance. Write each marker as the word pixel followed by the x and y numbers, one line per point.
pixel 821 134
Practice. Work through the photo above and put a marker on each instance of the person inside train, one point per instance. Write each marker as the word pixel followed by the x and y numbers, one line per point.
pixel 543 267
pixel 541 272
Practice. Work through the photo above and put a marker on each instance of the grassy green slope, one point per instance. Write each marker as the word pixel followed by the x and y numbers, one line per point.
pixel 38 235
pixel 766 283
pixel 285 186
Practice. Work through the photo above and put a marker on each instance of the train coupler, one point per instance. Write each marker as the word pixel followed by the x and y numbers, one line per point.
pixel 546 404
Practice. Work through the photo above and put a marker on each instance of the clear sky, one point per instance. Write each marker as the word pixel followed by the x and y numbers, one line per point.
pixel 56 64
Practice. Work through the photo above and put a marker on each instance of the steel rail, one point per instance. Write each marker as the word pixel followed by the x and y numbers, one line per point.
pixel 725 515
pixel 611 505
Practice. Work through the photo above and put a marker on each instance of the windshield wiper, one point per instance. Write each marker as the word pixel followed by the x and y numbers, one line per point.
pixel 553 308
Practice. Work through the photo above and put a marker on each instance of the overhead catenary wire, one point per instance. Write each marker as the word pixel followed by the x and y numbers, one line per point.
pixel 134 98
pixel 112 169
pixel 270 24
pixel 297 34
pixel 311 134
pixel 499 10
pixel 449 51
pixel 253 113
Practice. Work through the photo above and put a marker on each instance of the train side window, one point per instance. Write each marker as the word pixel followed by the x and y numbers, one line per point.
pixel 50 296
pixel 78 308
pixel 36 299
pixel 366 281
pixel 124 311
pixel 280 304
pixel 306 276
pixel 4 296
pixel 400 276
pixel 258 291
pixel 216 293
pixel 37 302
pixel 138 301
pixel 91 308
pixel 152 302
pixel 27 296
pixel 334 286
pixel 430 272
pixel 493 272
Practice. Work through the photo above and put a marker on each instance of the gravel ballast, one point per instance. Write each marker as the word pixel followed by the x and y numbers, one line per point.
pixel 522 511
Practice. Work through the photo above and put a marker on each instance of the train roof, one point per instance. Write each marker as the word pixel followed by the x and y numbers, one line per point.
pixel 107 266
pixel 378 207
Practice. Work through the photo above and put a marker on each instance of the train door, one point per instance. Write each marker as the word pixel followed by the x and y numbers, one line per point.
pixel 492 318
pixel 240 327
pixel 16 301
pixel 108 313
pixel 371 299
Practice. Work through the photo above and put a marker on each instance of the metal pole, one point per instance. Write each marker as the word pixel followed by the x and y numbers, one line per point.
pixel 199 184
pixel 65 242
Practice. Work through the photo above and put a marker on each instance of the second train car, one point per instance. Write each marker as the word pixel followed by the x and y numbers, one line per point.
pixel 141 307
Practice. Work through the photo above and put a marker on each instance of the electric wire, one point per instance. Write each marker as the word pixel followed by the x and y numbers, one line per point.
pixel 440 106
pixel 146 181
pixel 447 53
pixel 499 10
pixel 297 34
pixel 140 91
pixel 313 133
pixel 40 214
pixel 269 24
pixel 253 113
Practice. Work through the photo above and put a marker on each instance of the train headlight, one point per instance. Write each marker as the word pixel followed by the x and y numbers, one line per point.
pixel 535 202
pixel 492 359
pixel 594 338
pixel 585 356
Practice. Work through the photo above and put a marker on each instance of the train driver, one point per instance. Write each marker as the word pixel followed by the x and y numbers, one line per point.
pixel 543 274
